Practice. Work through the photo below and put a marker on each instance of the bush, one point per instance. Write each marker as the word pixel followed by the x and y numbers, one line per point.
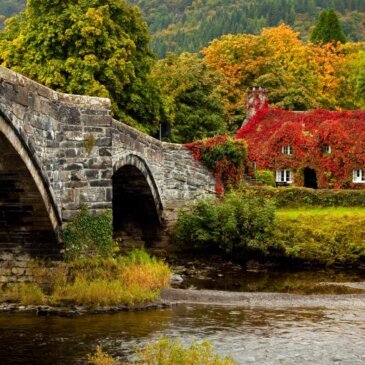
pixel 265 177
pixel 296 197
pixel 320 239
pixel 231 224
pixel 167 352
pixel 89 235
pixel 170 352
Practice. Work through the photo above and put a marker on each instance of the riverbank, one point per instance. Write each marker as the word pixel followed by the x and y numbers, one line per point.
pixel 76 311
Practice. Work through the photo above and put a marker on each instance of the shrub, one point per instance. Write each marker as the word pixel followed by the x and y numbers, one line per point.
pixel 320 239
pixel 265 177
pixel 170 352
pixel 230 224
pixel 296 197
pixel 89 235
pixel 167 352
pixel 224 156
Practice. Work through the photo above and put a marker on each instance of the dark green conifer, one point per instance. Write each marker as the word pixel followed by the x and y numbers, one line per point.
pixel 328 28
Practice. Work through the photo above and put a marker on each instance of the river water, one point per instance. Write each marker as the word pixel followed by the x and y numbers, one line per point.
pixel 252 336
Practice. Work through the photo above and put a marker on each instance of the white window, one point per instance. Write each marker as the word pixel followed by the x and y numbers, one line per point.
pixel 358 176
pixel 326 148
pixel 287 150
pixel 284 176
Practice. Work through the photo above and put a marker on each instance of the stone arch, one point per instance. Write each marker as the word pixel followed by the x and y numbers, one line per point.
pixel 25 195
pixel 137 205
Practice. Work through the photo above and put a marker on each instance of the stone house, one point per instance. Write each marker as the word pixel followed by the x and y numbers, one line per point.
pixel 314 149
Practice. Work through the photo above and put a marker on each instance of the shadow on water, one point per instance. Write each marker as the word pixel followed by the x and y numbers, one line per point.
pixel 233 277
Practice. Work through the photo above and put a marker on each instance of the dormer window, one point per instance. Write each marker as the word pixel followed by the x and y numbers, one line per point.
pixel 283 176
pixel 358 176
pixel 326 148
pixel 287 150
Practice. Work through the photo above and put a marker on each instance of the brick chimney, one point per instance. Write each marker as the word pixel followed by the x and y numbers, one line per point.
pixel 257 100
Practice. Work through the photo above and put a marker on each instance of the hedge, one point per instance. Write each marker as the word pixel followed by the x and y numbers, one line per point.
pixel 297 196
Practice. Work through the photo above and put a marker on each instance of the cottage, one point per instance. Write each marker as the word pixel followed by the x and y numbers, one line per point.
pixel 317 148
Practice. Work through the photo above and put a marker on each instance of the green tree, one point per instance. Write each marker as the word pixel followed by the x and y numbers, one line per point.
pixel 193 99
pixel 88 47
pixel 359 78
pixel 328 28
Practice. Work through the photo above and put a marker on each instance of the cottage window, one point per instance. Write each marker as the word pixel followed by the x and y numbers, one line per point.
pixel 358 176
pixel 326 148
pixel 284 176
pixel 287 150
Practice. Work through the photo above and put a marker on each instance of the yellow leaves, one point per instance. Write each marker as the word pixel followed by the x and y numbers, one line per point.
pixel 321 72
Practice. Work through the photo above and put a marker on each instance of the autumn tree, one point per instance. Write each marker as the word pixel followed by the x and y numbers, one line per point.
pixel 89 47
pixel 299 76
pixel 193 99
pixel 328 29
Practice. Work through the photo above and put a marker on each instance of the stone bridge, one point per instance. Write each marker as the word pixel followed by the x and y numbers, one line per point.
pixel 59 151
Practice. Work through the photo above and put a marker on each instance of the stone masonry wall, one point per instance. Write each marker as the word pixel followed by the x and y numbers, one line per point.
pixel 71 147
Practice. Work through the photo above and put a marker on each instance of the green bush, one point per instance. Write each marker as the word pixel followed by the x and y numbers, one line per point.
pixel 320 239
pixel 89 235
pixel 296 196
pixel 173 352
pixel 265 177
pixel 231 224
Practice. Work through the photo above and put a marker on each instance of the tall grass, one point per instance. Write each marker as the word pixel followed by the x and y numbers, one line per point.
pixel 133 279
pixel 167 352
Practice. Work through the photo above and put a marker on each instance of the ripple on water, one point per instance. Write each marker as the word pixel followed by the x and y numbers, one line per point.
pixel 252 336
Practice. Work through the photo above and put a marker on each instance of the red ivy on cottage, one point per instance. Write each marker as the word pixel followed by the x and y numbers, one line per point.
pixel 224 156
pixel 307 132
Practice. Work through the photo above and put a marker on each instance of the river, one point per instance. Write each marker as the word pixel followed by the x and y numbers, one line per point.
pixel 252 336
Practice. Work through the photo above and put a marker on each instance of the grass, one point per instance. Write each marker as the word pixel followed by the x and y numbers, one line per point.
pixel 326 238
pixel 326 211
pixel 133 279
pixel 167 352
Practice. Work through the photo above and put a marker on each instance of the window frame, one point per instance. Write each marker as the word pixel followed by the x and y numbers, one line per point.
pixel 287 150
pixel 284 176
pixel 358 176
pixel 326 148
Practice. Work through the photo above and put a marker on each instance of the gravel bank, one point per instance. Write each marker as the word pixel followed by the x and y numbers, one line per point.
pixel 263 300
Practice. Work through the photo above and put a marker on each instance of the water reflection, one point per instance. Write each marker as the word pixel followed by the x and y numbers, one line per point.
pixel 252 336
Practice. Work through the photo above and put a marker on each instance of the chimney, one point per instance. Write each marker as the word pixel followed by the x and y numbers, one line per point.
pixel 257 100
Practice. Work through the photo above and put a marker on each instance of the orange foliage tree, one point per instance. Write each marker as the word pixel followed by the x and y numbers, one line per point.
pixel 299 76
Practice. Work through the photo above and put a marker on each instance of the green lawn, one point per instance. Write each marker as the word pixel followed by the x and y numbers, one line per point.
pixel 332 211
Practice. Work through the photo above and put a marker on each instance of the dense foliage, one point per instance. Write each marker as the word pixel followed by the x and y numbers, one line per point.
pixel 328 29
pixel 188 25
pixel 320 239
pixel 224 156
pixel 299 76
pixel 232 224
pixel 89 235
pixel 302 197
pixel 192 97
pixel 88 47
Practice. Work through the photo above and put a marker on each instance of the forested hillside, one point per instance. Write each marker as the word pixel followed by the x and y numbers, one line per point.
pixel 189 25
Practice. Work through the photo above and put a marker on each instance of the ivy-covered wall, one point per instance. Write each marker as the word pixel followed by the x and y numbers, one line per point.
pixel 308 134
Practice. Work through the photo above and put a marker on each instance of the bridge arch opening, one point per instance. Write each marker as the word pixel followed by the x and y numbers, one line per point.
pixel 28 225
pixel 136 204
